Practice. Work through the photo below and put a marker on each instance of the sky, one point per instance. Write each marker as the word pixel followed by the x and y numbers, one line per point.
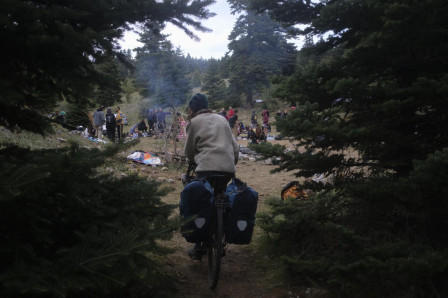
pixel 212 44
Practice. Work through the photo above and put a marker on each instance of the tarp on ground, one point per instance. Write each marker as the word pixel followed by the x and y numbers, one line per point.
pixel 145 158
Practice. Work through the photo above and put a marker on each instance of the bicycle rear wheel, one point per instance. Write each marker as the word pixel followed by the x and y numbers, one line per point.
pixel 215 249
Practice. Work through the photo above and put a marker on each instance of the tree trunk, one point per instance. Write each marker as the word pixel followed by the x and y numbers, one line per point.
pixel 249 99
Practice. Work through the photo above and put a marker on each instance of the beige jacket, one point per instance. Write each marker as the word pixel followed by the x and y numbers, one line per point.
pixel 210 144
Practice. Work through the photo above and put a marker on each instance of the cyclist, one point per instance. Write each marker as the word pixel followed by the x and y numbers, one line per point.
pixel 211 145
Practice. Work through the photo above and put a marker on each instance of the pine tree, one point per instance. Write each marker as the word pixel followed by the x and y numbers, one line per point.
pixel 109 89
pixel 68 227
pixel 372 120
pixel 160 70
pixel 61 238
pixel 257 50
pixel 214 84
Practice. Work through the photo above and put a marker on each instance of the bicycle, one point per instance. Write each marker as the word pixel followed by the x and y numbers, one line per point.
pixel 214 243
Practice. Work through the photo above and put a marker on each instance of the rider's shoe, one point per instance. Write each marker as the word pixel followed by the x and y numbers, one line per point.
pixel 196 252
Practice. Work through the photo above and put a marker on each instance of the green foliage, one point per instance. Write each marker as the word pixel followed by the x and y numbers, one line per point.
pixel 77 115
pixel 257 50
pixel 71 229
pixel 196 79
pixel 372 121
pixel 215 85
pixel 109 89
pixel 50 49
pixel 160 71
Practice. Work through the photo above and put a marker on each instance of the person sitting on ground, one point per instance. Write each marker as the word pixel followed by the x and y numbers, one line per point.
pixel 211 145
pixel 142 126
pixel 133 132
pixel 251 134
pixel 241 128
pixel 258 136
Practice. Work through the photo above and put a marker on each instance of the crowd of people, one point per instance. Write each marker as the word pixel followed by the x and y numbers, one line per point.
pixel 113 123
pixel 154 124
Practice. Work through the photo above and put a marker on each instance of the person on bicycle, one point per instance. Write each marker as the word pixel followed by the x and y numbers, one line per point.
pixel 211 145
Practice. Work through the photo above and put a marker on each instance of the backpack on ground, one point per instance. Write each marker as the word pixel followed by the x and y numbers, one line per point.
pixel 196 202
pixel 293 191
pixel 240 220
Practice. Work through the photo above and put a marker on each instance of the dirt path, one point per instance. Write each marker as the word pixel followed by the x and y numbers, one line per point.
pixel 242 275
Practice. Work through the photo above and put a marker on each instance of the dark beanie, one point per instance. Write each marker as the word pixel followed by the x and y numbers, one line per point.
pixel 198 102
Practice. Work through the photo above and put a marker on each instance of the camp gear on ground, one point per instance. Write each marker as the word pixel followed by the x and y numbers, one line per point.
pixel 293 191
pixel 146 158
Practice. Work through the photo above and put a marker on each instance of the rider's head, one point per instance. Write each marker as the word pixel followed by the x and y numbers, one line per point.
pixel 198 102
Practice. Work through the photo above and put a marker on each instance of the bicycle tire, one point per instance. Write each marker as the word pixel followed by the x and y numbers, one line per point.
pixel 214 251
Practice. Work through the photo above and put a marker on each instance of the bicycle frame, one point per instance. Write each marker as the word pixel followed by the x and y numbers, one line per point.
pixel 215 244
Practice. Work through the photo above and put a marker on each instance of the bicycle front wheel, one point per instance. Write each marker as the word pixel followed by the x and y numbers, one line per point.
pixel 215 250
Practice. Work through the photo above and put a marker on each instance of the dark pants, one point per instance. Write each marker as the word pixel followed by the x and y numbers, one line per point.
pixel 120 131
pixel 111 133
pixel 219 184
pixel 150 124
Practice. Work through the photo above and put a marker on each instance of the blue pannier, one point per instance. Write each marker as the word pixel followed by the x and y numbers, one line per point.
pixel 196 201
pixel 241 217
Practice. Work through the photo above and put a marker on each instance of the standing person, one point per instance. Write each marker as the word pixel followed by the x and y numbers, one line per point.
pixel 233 123
pixel 111 124
pixel 223 113
pixel 119 119
pixel 266 126
pixel 155 120
pixel 230 113
pixel 211 145
pixel 150 120
pixel 181 123
pixel 98 121
pixel 253 119
pixel 162 121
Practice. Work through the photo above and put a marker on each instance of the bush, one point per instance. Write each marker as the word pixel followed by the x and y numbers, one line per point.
pixel 69 230
pixel 379 238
